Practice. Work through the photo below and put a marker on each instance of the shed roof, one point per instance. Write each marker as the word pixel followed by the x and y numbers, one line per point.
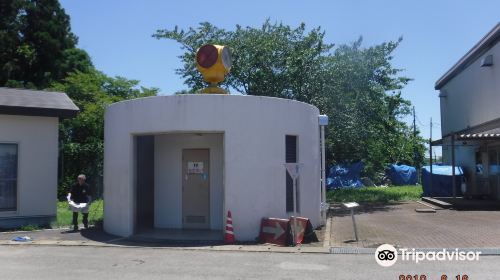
pixel 482 46
pixel 36 103
pixel 474 136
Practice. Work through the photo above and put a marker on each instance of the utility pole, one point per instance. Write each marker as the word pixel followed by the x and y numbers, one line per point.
pixel 430 141
pixel 414 125
pixel 415 151
pixel 431 128
pixel 430 160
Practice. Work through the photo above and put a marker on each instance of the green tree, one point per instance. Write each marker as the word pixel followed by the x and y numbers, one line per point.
pixel 82 137
pixel 37 50
pixel 9 38
pixel 37 47
pixel 365 102
pixel 357 87
pixel 275 60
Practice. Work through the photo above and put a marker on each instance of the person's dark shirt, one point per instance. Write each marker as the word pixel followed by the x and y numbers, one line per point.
pixel 79 193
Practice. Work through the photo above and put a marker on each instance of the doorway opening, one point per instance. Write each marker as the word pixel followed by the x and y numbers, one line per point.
pixel 179 185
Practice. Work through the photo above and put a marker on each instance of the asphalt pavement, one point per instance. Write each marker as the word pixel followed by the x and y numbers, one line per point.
pixel 80 262
pixel 399 224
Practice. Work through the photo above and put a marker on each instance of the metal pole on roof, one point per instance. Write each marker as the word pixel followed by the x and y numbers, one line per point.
pixel 453 165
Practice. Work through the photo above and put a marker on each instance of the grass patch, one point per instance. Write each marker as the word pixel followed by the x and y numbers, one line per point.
pixel 375 194
pixel 65 216
pixel 29 228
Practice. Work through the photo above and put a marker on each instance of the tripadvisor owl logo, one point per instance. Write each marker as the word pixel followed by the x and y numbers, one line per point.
pixel 386 255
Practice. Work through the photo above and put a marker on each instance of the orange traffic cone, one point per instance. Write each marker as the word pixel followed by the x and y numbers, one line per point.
pixel 229 236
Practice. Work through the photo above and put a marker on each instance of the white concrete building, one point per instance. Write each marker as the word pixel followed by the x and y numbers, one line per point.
pixel 28 154
pixel 183 161
pixel 470 117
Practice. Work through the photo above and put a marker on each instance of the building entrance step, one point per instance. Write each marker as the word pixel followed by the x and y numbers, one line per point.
pixel 437 202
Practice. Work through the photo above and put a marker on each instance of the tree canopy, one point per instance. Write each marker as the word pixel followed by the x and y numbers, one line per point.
pixel 37 46
pixel 357 87
pixel 82 137
pixel 38 50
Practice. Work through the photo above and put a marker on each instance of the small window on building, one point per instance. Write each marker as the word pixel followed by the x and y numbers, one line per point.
pixel 291 152
pixel 8 177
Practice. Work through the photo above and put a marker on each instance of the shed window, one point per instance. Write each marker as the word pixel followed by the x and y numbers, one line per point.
pixel 290 157
pixel 8 177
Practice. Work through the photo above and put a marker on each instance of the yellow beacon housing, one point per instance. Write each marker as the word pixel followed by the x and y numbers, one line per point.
pixel 213 62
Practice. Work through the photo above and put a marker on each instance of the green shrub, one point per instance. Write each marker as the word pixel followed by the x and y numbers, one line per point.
pixel 375 194
pixel 29 227
pixel 65 216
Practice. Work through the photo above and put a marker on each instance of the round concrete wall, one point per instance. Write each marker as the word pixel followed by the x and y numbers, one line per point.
pixel 253 131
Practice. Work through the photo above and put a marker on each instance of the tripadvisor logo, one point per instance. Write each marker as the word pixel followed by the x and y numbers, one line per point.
pixel 386 255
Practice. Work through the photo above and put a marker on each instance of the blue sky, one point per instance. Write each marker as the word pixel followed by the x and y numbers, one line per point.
pixel 117 34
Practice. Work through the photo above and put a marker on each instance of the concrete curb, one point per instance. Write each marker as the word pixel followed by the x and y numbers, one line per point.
pixel 36 230
pixel 327 234
pixel 225 248
pixel 234 248
pixel 371 251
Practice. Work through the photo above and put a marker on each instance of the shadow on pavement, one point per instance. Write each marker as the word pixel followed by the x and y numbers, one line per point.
pixel 99 235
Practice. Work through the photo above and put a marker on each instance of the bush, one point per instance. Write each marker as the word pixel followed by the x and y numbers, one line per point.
pixel 29 228
pixel 376 194
pixel 65 216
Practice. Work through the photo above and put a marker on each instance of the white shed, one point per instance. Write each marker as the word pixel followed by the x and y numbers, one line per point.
pixel 28 154
pixel 182 161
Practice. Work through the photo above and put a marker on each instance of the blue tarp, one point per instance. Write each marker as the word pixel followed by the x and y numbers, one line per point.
pixel 442 182
pixel 402 174
pixel 345 176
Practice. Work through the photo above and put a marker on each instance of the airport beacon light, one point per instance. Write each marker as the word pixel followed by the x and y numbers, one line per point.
pixel 214 63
